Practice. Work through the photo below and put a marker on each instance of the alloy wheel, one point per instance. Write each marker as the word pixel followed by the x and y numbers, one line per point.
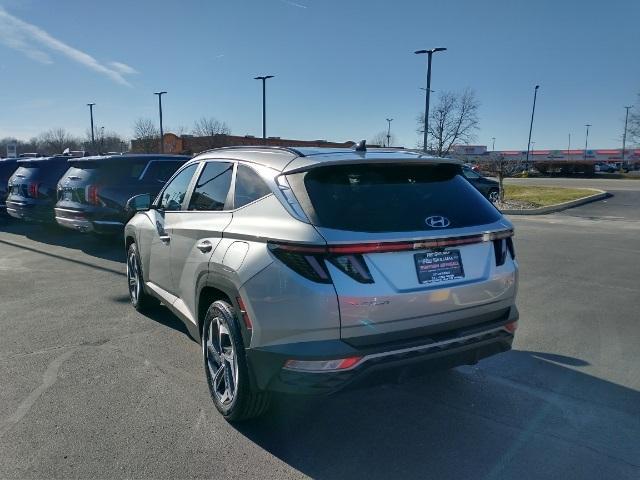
pixel 133 277
pixel 221 361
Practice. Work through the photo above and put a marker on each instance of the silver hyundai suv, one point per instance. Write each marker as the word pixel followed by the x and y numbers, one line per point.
pixel 308 270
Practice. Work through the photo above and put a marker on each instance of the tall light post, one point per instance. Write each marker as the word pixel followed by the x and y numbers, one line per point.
pixel 586 141
pixel 493 144
pixel 93 138
pixel 428 90
pixel 159 94
pixel 624 135
pixel 389 120
pixel 102 139
pixel 569 149
pixel 533 111
pixel 264 103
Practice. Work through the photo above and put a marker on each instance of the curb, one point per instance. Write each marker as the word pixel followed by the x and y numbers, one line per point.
pixel 558 207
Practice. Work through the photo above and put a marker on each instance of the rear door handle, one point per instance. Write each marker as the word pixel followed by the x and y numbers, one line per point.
pixel 204 246
pixel 165 238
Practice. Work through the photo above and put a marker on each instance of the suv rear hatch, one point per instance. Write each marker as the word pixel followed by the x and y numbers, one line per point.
pixel 95 186
pixel 35 179
pixel 412 248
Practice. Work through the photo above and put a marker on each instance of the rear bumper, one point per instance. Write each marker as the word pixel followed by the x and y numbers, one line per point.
pixel 77 220
pixel 29 211
pixel 379 364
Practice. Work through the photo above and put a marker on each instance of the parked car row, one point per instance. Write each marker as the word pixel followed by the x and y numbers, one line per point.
pixel 88 194
pixel 304 270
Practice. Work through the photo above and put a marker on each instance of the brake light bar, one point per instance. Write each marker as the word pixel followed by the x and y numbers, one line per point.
pixel 382 247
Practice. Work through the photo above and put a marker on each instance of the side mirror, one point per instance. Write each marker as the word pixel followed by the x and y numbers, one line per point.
pixel 139 203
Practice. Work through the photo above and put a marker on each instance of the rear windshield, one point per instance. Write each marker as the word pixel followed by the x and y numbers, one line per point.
pixel 42 170
pixel 120 169
pixel 390 198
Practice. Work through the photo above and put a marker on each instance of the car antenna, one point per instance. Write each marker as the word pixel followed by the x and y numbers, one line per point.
pixel 361 146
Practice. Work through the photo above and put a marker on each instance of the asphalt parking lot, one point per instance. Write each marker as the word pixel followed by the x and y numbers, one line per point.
pixel 91 388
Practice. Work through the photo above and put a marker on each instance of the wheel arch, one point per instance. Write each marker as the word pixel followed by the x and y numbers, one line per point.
pixel 211 292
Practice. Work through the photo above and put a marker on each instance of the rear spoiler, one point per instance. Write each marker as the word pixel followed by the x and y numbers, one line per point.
pixel 303 164
pixel 28 160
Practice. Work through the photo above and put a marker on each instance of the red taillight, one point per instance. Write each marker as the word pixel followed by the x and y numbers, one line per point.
pixel 245 315
pixel 91 194
pixel 305 260
pixel 33 189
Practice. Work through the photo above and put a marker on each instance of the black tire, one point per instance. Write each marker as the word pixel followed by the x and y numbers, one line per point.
pixel 245 403
pixel 140 299
pixel 493 195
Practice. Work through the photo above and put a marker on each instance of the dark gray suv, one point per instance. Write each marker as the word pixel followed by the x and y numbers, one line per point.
pixel 310 270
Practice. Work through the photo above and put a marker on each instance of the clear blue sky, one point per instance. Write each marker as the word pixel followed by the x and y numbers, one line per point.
pixel 341 66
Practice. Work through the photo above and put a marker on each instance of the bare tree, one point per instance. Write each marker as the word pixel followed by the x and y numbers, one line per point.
pixel 502 167
pixel 454 119
pixel 380 138
pixel 147 134
pixel 208 127
pixel 56 140
pixel 106 142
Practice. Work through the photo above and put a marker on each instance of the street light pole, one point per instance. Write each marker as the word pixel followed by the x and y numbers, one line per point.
pixel 586 142
pixel 533 111
pixel 624 135
pixel 93 139
pixel 428 91
pixel 264 103
pixel 160 111
pixel 389 120
pixel 569 149
pixel 102 139
pixel 493 144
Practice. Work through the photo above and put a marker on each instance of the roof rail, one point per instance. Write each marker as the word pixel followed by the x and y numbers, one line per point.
pixel 256 147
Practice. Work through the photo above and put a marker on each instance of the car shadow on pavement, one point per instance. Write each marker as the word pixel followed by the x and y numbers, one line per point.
pixel 107 247
pixel 161 314
pixel 518 415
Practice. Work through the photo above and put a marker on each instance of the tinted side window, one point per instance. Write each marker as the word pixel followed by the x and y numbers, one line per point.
pixel 173 194
pixel 212 188
pixel 115 170
pixel 161 171
pixel 249 187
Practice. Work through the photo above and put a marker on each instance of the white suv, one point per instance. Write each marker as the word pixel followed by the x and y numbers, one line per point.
pixel 309 270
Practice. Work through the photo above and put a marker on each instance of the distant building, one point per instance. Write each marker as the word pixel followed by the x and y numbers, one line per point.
pixel 468 149
pixel 477 153
pixel 193 145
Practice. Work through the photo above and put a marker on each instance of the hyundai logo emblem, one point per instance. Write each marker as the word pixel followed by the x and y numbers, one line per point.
pixel 437 221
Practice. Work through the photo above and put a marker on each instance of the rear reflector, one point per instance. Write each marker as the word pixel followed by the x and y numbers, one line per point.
pixel 245 315
pixel 511 327
pixel 319 366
